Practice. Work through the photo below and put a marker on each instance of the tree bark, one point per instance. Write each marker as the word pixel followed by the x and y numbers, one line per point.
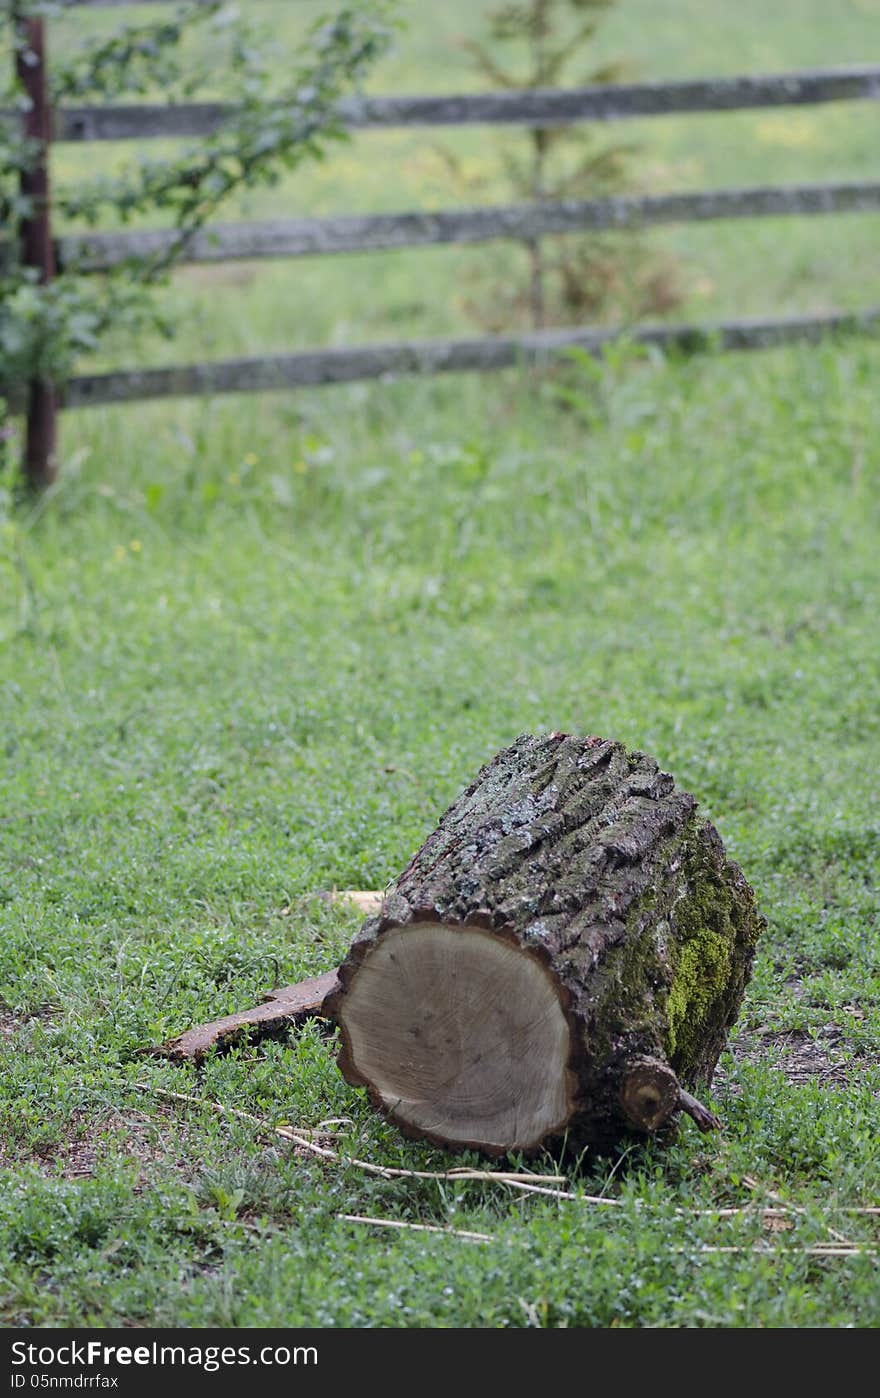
pixel 280 1011
pixel 562 958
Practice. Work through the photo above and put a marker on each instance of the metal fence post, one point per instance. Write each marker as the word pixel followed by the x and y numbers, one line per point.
pixel 40 462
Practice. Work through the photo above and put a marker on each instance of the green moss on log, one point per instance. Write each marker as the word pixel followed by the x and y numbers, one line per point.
pixel 700 977
pixel 716 929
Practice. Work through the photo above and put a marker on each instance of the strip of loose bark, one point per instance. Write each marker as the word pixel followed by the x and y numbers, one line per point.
pixel 281 1009
pixel 288 1007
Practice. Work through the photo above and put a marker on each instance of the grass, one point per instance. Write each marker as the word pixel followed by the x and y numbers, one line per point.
pixel 250 649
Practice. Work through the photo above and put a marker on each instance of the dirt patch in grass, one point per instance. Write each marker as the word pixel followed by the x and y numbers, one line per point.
pixel 90 1142
pixel 13 1024
pixel 76 1156
pixel 800 1056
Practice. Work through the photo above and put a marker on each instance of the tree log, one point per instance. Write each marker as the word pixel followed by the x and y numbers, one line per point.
pixel 562 959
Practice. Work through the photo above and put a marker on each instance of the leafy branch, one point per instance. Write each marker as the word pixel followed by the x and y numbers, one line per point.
pixel 141 58
pixel 45 327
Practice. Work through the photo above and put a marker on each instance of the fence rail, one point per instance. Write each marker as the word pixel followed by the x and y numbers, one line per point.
pixel 277 238
pixel 535 107
pixel 120 4
pixel 311 368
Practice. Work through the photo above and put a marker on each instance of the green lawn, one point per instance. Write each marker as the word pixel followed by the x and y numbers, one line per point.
pixel 251 648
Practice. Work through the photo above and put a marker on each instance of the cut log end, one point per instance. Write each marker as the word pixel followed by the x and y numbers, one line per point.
pixel 460 1036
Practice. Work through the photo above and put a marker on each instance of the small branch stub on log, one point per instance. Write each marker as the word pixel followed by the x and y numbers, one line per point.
pixel 280 1010
pixel 562 958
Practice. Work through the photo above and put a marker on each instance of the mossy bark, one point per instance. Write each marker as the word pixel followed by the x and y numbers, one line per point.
pixel 588 859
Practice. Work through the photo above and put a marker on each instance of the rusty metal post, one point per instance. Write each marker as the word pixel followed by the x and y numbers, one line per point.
pixel 40 462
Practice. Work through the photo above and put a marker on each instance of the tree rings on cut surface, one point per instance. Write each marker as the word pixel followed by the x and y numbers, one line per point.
pixel 461 1036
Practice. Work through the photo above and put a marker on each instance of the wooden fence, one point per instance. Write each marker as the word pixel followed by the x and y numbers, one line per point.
pixel 310 237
